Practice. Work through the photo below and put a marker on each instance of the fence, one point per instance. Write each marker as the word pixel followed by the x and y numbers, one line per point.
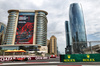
pixel 89 47
pixel 93 47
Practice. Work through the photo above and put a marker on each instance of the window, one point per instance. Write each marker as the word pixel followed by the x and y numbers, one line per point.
pixel 10 29
pixel 9 39
pixel 10 35
pixel 13 12
pixel 41 13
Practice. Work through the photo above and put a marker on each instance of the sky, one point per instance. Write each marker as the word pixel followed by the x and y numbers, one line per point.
pixel 58 13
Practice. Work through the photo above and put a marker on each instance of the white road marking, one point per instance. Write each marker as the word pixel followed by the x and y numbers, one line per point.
pixel 27 63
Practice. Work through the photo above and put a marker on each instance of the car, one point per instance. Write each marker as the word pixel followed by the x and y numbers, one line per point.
pixel 20 59
pixel 53 56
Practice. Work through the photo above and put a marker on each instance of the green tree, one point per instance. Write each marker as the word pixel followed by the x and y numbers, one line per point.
pixel 2 52
pixel 37 53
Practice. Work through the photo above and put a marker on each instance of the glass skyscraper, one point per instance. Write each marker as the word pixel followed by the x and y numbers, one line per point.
pixel 68 36
pixel 77 26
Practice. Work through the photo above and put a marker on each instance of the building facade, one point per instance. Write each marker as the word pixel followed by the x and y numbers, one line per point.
pixel 26 28
pixel 2 32
pixel 52 45
pixel 77 25
pixel 48 45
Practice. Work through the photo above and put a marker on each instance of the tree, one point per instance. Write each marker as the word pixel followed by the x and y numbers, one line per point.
pixel 37 53
pixel 2 52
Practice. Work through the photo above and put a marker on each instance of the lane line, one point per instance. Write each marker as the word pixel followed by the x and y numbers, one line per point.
pixel 69 65
pixel 27 63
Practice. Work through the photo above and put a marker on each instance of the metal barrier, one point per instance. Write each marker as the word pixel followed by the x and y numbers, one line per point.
pixel 93 47
pixel 89 47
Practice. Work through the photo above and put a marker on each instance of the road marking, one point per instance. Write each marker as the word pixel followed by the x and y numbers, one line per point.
pixel 28 63
pixel 70 65
pixel 12 63
pixel 42 63
pixel 35 62
pixel 55 62
pixel 78 65
pixel 90 65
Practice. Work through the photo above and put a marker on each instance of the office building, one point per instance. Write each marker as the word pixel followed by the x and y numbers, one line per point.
pixel 26 29
pixel 2 32
pixel 52 45
pixel 77 26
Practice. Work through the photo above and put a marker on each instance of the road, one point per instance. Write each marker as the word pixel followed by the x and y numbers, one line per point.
pixel 47 60
pixel 53 62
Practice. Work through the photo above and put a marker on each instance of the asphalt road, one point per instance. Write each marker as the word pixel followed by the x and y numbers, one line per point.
pixel 47 60
pixel 51 64
pixel 55 64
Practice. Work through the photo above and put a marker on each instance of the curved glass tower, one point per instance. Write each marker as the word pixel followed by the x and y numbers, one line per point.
pixel 77 25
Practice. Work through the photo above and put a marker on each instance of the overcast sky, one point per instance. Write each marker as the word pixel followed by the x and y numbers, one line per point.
pixel 58 13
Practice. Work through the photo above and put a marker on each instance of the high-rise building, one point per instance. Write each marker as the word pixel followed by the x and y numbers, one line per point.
pixel 27 28
pixel 2 32
pixel 68 36
pixel 77 26
pixel 52 45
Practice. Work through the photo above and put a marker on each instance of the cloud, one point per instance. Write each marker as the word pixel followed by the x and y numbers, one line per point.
pixel 58 13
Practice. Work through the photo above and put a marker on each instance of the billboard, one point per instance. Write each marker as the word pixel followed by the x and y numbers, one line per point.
pixel 80 58
pixel 25 28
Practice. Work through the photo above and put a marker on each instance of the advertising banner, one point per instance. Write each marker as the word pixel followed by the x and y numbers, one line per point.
pixel 2 59
pixel 25 28
pixel 80 58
